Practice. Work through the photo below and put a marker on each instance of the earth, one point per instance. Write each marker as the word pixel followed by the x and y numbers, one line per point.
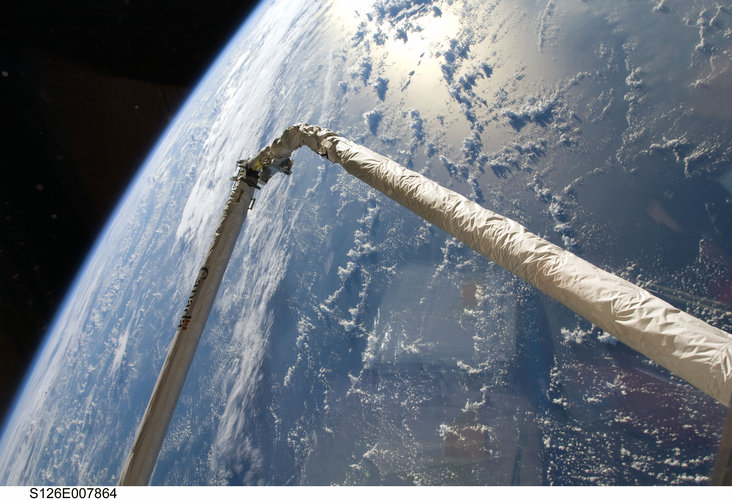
pixel 352 343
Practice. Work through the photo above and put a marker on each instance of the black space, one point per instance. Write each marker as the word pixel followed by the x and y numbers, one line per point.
pixel 86 89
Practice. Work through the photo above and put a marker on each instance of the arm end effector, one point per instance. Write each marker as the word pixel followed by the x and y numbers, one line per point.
pixel 276 157
pixel 259 172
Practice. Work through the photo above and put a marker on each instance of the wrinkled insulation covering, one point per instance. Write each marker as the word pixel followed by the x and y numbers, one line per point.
pixel 685 345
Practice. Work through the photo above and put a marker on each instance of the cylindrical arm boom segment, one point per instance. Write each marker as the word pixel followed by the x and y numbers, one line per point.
pixel 685 345
pixel 154 425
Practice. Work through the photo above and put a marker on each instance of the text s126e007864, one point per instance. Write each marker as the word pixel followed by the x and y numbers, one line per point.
pixel 75 492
